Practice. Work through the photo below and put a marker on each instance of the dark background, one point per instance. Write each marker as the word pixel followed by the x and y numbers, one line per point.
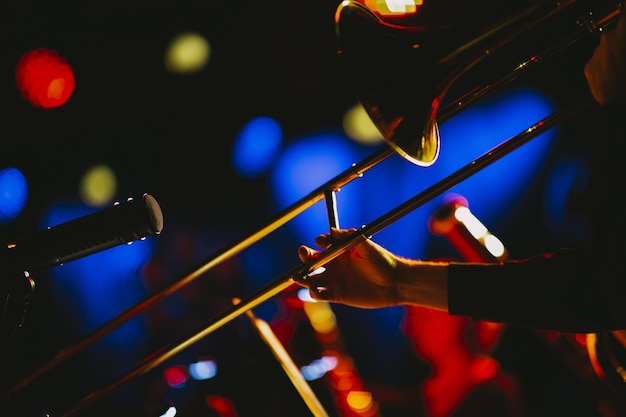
pixel 154 127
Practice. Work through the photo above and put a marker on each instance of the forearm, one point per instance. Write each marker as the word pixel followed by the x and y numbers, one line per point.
pixel 422 283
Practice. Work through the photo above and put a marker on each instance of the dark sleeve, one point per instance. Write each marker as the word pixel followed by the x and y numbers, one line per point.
pixel 552 291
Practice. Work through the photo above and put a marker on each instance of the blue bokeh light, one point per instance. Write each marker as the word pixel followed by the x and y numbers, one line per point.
pixel 499 187
pixel 256 147
pixel 13 193
pixel 309 162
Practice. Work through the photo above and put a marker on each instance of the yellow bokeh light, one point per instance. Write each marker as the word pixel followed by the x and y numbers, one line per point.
pixel 394 7
pixel 321 316
pixel 358 125
pixel 187 53
pixel 360 400
pixel 98 186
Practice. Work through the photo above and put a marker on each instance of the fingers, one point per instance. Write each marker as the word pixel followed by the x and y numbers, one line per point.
pixel 310 280
pixel 605 68
pixel 340 234
pixel 320 293
pixel 305 253
pixel 324 240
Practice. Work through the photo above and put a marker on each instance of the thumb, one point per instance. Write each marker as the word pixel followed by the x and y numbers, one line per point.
pixel 305 253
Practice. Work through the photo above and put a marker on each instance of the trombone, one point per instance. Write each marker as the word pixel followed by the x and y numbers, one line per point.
pixel 406 115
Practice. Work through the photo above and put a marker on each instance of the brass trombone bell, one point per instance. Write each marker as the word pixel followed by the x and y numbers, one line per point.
pixel 403 68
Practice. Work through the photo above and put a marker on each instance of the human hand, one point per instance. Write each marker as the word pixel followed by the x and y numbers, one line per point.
pixel 606 70
pixel 363 276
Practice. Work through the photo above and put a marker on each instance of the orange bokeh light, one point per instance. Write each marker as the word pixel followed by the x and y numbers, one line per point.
pixel 44 78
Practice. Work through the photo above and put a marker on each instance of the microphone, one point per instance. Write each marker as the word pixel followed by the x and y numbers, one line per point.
pixel 122 223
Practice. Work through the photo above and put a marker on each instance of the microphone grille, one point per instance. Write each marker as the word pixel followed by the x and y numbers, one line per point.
pixel 154 213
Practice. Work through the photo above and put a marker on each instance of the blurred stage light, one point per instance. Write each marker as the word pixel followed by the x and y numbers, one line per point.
pixel 222 406
pixel 360 401
pixel 13 193
pixel 393 7
pixel 256 146
pixel 201 370
pixel 170 412
pixel 478 129
pixel 478 230
pixel 187 53
pixel 44 78
pixel 321 317
pixel 305 295
pixel 359 126
pixel 98 186
pixel 175 376
pixel 307 163
pixel 318 368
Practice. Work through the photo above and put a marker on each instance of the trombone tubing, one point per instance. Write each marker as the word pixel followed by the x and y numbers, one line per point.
pixel 286 280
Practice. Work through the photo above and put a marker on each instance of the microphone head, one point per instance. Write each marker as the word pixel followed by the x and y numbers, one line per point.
pixel 120 224
pixel 154 214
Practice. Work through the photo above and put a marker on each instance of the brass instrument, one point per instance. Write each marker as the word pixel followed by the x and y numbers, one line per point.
pixel 410 77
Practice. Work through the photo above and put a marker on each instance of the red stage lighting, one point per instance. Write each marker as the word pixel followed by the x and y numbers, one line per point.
pixel 44 78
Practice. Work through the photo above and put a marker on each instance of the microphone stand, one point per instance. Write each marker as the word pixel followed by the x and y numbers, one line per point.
pixel 122 223
pixel 16 293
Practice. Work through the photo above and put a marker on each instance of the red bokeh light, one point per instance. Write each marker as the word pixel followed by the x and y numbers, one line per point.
pixel 44 78
pixel 175 376
pixel 221 405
